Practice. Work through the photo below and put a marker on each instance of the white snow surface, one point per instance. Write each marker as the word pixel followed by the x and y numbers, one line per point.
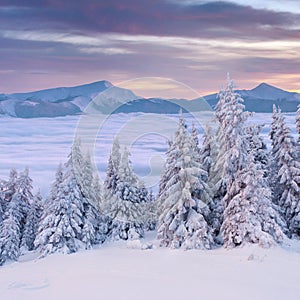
pixel 120 271
pixel 123 270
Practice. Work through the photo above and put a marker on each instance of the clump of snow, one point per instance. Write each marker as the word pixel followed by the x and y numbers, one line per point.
pixel 134 244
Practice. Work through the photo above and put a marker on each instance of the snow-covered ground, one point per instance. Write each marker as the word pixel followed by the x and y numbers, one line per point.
pixel 122 271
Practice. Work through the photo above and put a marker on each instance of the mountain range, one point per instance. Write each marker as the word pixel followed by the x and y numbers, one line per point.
pixel 106 98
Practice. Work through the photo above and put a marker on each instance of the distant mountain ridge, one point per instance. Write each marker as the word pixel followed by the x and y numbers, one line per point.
pixel 104 97
pixel 262 97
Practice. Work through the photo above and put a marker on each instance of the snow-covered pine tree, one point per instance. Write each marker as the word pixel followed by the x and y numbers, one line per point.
pixel 250 217
pixel 24 189
pixel 219 145
pixel 258 146
pixel 20 188
pixel 150 213
pixel 83 169
pixel 56 184
pixel 275 185
pixel 9 187
pixel 87 176
pixel 288 175
pixel 10 230
pixel 195 142
pixel 238 177
pixel 123 206
pixel 89 233
pixel 170 169
pixel 206 150
pixel 210 157
pixel 181 222
pixel 114 160
pixel 228 152
pixel 32 223
pixel 236 146
pixel 61 228
pixel 274 127
pixel 96 190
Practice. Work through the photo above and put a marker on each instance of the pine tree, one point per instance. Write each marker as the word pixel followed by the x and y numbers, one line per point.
pixel 56 184
pixel 32 222
pixel 228 152
pixel 24 189
pixel 181 222
pixel 89 233
pixel 170 169
pixel 61 225
pixel 250 216
pixel 276 187
pixel 150 212
pixel 9 188
pixel 195 142
pixel 123 204
pixel 96 190
pixel 206 150
pixel 10 230
pixel 69 219
pixel 87 176
pixel 258 146
pixel 111 179
pixel 288 175
pixel 246 217
pixel 236 145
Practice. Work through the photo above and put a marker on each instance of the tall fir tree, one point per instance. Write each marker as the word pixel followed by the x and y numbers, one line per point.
pixel 210 157
pixel 288 175
pixel 150 212
pixel 181 223
pixel 122 203
pixel 206 150
pixel 11 230
pixel 276 187
pixel 236 145
pixel 258 147
pixel 61 226
pixel 250 217
pixel 9 187
pixel 246 217
pixel 69 216
pixel 228 151
pixel 32 223
pixel 111 179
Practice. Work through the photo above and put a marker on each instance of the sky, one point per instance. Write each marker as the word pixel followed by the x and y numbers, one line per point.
pixel 54 43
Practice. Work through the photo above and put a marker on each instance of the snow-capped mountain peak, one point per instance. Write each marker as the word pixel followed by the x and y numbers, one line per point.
pixel 268 91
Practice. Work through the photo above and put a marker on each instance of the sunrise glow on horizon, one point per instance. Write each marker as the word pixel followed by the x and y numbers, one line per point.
pixel 53 44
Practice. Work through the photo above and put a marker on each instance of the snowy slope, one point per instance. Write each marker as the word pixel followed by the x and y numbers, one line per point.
pixel 63 101
pixel 115 271
pixel 55 94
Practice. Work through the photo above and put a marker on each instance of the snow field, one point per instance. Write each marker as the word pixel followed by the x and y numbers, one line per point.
pixel 114 271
